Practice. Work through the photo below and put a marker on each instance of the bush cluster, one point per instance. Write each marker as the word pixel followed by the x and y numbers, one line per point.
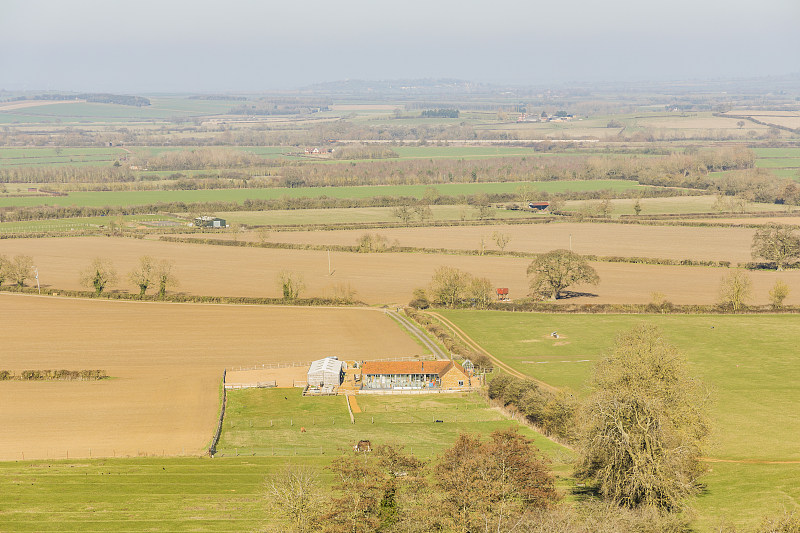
pixel 553 412
pixel 189 298
pixel 482 362
pixel 51 375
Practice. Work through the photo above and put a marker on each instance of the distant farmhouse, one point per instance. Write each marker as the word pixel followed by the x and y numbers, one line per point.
pixel 413 375
pixel 210 222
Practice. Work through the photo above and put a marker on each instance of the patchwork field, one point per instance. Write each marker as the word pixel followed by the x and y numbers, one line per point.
pixel 750 364
pixel 166 363
pixel 378 278
pixel 629 240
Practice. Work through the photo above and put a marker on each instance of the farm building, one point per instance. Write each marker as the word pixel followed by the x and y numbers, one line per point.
pixel 410 375
pixel 210 222
pixel 541 206
pixel 325 373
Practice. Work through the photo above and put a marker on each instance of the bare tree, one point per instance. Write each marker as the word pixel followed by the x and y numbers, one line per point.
pixel 403 212
pixel 778 293
pixel 735 289
pixel 553 272
pixel 5 268
pixel 479 291
pixel 20 269
pixel 424 212
pixel 99 274
pixel 644 423
pixel 165 277
pixel 263 234
pixel 142 275
pixel 372 242
pixel 448 286
pixel 296 493
pixel 776 243
pixel 291 284
pixel 501 239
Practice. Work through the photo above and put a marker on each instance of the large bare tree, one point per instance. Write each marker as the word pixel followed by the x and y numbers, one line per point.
pixel 553 272
pixel 643 424
pixel 776 243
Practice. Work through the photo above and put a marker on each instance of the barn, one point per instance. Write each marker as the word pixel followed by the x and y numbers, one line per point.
pixel 539 206
pixel 326 373
pixel 411 375
pixel 210 222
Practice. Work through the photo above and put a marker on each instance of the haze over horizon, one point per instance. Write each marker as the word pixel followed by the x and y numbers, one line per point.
pixel 243 45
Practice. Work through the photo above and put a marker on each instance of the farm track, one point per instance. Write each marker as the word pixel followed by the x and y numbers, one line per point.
pixel 418 333
pixel 471 342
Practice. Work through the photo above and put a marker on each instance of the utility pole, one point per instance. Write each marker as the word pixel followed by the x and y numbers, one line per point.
pixel 570 242
pixel 38 287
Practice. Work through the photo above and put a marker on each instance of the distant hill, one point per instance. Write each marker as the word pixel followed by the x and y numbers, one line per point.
pixel 399 87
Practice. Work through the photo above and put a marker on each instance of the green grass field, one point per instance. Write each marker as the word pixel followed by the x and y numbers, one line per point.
pixel 226 493
pixel 76 223
pixel 269 421
pixel 12 157
pixel 138 494
pixel 161 109
pixel 749 362
pixel 99 199
pixel 782 162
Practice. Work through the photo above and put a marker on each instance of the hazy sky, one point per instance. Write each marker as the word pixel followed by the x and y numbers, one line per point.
pixel 249 45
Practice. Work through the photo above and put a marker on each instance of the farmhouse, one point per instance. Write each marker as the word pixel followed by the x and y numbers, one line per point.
pixel 210 222
pixel 410 375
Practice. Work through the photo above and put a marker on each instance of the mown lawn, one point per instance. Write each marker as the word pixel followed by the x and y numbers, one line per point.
pixel 271 421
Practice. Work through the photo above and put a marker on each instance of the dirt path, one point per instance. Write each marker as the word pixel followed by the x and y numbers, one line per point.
pixel 748 461
pixel 423 338
pixel 353 403
pixel 471 342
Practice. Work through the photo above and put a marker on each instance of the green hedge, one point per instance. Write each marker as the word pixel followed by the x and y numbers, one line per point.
pixel 54 375
pixel 187 298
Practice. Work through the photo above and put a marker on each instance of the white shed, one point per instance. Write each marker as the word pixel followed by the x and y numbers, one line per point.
pixel 325 372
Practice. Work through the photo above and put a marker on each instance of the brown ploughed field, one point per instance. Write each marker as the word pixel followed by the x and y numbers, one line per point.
pixel 378 278
pixel 668 242
pixel 165 362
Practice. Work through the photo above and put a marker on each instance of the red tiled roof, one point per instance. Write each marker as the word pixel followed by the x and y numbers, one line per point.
pixel 410 367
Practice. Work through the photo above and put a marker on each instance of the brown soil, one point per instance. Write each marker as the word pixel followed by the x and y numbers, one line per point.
pixel 284 377
pixel 669 242
pixel 377 278
pixel 794 221
pixel 166 363
pixel 35 103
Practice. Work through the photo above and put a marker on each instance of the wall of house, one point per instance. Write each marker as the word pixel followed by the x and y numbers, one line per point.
pixel 452 377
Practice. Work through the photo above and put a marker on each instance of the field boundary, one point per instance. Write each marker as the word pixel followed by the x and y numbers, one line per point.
pixel 212 450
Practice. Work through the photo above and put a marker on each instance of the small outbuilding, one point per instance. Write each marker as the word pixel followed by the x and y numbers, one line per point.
pixel 538 206
pixel 326 373
pixel 210 222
